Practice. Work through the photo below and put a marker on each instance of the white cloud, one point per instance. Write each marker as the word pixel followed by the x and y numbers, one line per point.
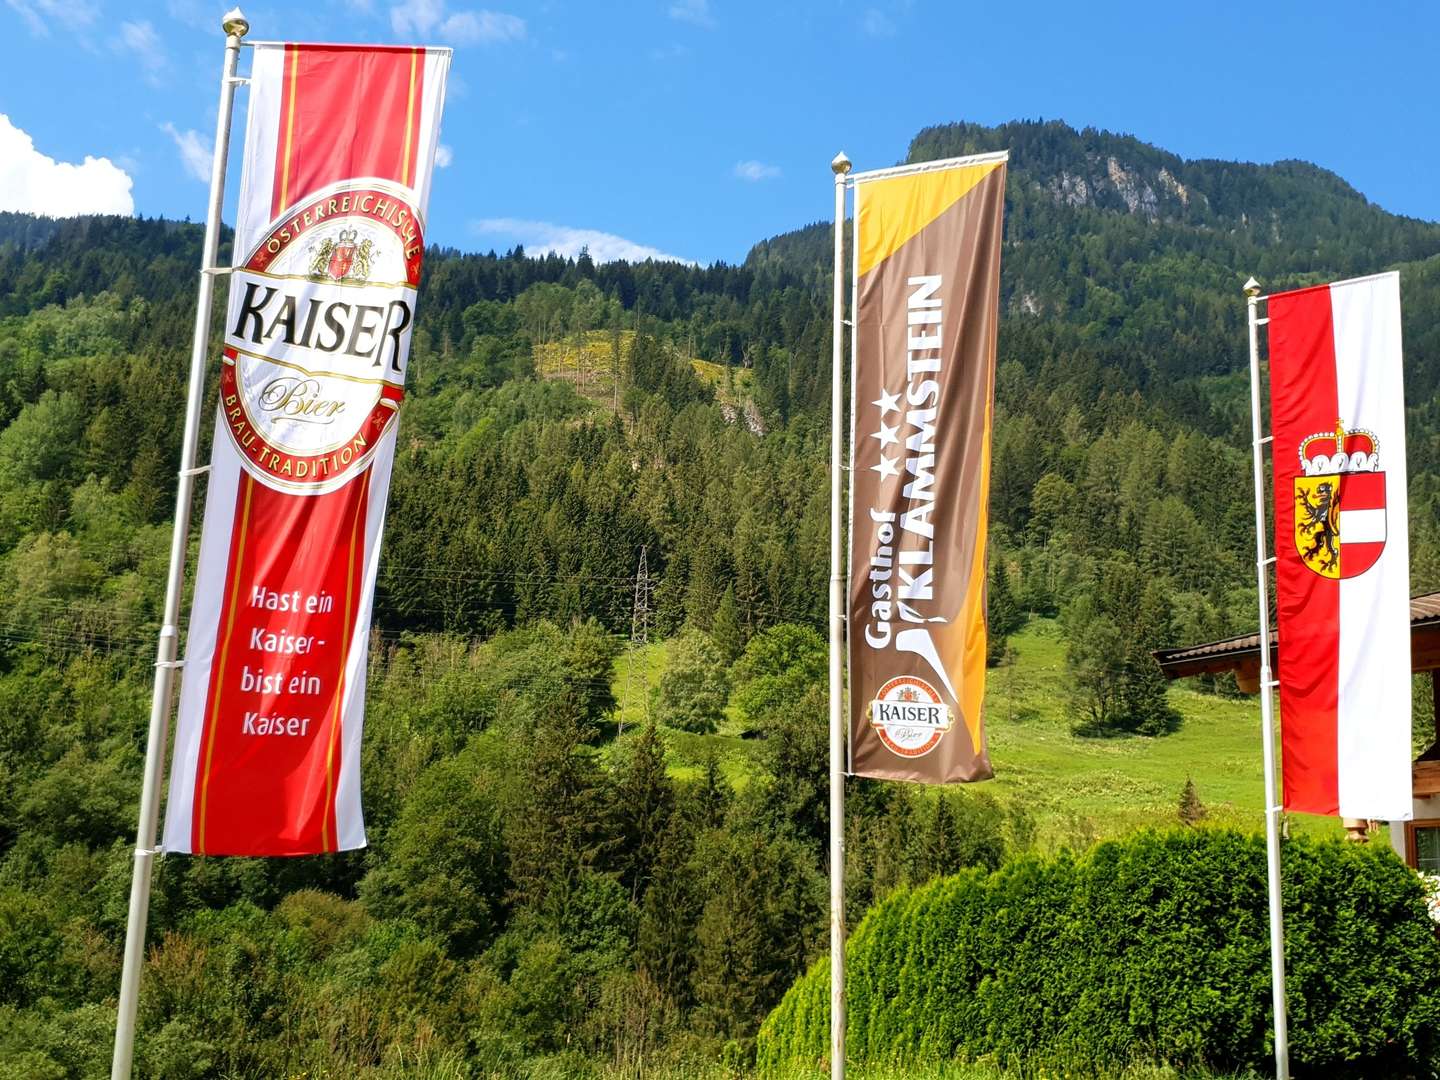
pixel 459 27
pixel 196 151
pixel 695 12
pixel 140 39
pixel 35 184
pixel 417 16
pixel 443 156
pixel 543 237
pixel 195 14
pixel 756 170
pixel 70 14
pixel 876 23
pixel 482 28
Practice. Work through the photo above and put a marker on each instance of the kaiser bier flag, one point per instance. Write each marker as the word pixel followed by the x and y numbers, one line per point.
pixel 329 237
pixel 1342 577
pixel 927 271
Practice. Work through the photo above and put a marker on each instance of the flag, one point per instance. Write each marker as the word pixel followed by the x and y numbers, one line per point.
pixel 1342 556
pixel 927 271
pixel 329 239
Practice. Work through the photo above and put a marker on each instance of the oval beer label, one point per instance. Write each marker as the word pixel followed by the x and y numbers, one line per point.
pixel 909 716
pixel 318 335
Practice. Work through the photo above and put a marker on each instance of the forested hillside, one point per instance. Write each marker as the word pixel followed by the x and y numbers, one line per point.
pixel 542 891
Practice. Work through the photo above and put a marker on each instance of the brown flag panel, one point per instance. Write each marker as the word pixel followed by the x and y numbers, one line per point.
pixel 928 263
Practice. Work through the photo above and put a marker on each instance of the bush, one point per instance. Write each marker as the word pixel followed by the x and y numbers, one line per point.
pixel 1148 949
pixel 692 692
pixel 780 665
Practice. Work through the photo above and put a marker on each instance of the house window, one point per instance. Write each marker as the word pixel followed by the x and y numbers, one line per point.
pixel 1427 850
pixel 1422 845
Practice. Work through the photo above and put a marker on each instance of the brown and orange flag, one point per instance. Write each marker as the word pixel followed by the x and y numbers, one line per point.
pixel 927 267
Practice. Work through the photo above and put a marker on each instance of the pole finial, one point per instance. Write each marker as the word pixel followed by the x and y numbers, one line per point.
pixel 1252 287
pixel 234 23
pixel 840 164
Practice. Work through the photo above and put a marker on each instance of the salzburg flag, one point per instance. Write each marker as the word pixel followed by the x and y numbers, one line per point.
pixel 329 237
pixel 1342 562
pixel 927 272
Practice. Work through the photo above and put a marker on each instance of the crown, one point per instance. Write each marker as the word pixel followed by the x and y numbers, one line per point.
pixel 347 236
pixel 1340 451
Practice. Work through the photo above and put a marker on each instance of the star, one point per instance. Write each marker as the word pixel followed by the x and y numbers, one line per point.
pixel 888 403
pixel 886 435
pixel 886 468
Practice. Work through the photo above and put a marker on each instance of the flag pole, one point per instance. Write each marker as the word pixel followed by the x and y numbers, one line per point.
pixel 235 26
pixel 839 166
pixel 1267 719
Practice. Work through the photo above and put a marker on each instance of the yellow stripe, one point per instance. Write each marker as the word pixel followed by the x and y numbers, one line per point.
pixel 972 609
pixel 889 213
pixel 293 55
pixel 340 696
pixel 224 653
pixel 409 121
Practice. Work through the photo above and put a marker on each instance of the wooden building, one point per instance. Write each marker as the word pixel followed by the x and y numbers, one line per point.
pixel 1417 841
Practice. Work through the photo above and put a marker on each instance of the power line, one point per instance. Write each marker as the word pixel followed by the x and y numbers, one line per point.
pixel 639 628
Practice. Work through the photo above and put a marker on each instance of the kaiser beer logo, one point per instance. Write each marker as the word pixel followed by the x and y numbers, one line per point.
pixel 318 335
pixel 909 716
pixel 1340 503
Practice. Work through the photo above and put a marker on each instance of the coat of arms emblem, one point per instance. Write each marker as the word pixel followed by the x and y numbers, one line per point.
pixel 1340 503
pixel 342 259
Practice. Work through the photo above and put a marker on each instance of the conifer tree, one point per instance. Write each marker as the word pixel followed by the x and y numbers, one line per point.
pixel 725 629
pixel 1192 810
pixel 1003 614
pixel 712 797
pixel 1144 705
pixel 555 837
pixel 665 942
pixel 643 800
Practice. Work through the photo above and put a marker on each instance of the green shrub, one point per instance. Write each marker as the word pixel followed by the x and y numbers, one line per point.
pixel 1149 949
pixel 692 692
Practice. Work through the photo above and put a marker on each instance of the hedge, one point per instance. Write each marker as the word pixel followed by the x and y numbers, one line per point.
pixel 1150 949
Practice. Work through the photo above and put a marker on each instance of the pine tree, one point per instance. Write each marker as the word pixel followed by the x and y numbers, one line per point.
pixel 665 942
pixel 712 799
pixel 725 629
pixel 935 849
pixel 1003 614
pixel 643 800
pixel 1192 810
pixel 1144 705
pixel 556 835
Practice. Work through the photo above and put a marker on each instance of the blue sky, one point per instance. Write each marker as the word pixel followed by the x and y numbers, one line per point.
pixel 696 127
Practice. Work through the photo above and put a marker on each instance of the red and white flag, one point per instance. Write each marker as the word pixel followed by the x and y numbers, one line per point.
pixel 1342 551
pixel 329 237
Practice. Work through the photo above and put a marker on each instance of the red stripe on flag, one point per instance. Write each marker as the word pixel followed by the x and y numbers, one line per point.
pixel 329 131
pixel 1303 401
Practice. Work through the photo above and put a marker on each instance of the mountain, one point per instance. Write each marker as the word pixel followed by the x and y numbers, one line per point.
pixel 1129 242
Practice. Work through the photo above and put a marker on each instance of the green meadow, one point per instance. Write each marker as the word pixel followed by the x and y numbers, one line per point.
pixel 1078 789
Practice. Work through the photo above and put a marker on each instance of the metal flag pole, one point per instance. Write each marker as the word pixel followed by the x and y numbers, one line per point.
pixel 839 166
pixel 1267 717
pixel 235 26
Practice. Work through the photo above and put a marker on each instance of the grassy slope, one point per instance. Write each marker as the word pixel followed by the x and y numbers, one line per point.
pixel 1077 789
pixel 586 362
